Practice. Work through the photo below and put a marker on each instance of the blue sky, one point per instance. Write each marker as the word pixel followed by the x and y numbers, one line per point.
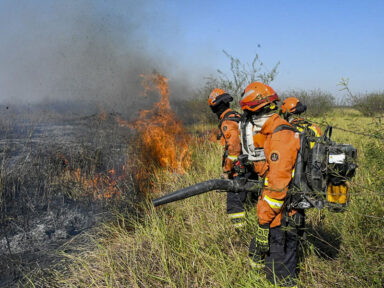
pixel 316 42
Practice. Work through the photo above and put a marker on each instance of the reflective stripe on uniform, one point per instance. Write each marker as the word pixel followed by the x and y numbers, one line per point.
pixel 255 265
pixel 273 203
pixel 232 157
pixel 236 215
pixel 238 225
pixel 293 172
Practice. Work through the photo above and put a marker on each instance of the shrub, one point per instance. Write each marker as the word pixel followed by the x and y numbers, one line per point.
pixel 233 83
pixel 240 76
pixel 318 102
pixel 369 104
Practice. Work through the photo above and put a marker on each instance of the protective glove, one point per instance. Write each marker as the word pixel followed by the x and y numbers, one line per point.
pixel 238 167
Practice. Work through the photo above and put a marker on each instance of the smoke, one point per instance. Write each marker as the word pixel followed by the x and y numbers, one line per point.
pixel 78 51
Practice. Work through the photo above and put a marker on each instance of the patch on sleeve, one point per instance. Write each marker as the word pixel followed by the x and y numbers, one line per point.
pixel 274 156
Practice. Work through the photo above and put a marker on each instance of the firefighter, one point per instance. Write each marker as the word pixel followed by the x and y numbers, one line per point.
pixel 218 101
pixel 271 144
pixel 291 109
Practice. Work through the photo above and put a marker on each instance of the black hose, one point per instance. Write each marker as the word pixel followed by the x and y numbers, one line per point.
pixel 235 186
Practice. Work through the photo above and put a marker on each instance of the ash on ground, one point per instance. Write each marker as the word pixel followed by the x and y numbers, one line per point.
pixel 60 176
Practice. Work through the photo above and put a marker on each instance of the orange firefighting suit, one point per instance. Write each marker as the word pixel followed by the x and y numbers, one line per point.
pixel 230 139
pixel 280 149
pixel 229 132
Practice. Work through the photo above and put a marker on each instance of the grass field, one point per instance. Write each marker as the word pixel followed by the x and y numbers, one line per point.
pixel 192 244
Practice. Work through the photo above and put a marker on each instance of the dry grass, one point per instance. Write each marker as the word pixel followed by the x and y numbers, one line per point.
pixel 191 243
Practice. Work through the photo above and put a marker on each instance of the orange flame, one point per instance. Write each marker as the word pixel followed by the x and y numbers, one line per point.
pixel 98 185
pixel 161 136
pixel 101 186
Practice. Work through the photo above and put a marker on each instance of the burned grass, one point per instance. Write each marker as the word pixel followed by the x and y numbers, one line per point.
pixel 59 177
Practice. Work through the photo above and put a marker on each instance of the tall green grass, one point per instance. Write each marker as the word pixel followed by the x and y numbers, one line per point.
pixel 191 243
pixel 356 258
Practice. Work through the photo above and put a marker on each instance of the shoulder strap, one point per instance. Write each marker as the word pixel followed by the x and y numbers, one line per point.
pixel 236 116
pixel 235 119
pixel 285 127
pixel 226 117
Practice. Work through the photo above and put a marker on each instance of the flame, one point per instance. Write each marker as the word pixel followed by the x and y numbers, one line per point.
pixel 160 131
pixel 101 186
pixel 161 136
pixel 161 142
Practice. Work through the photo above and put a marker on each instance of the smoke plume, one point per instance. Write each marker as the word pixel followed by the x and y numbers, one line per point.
pixel 77 51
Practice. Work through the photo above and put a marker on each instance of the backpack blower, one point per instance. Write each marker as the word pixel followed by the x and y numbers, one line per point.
pixel 322 173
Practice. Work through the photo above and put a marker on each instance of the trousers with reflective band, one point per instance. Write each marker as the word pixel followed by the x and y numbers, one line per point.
pixel 281 261
pixel 237 219
pixel 235 208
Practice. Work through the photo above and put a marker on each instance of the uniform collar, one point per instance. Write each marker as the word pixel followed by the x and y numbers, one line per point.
pixel 271 124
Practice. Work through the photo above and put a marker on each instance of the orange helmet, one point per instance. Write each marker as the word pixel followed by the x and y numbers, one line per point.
pixel 293 105
pixel 218 96
pixel 257 95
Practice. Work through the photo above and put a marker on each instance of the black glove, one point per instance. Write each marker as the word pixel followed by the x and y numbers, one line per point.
pixel 238 167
